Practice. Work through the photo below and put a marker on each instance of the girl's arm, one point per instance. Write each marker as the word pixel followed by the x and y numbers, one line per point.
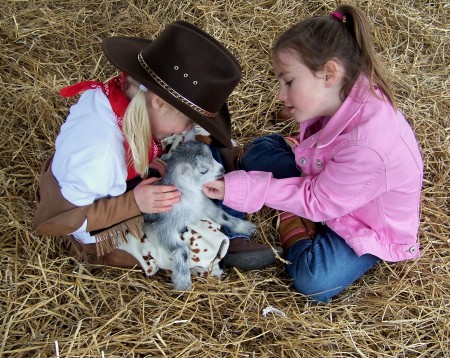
pixel 347 182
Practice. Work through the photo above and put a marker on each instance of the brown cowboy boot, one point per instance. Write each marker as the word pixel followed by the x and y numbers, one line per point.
pixel 246 255
pixel 87 253
pixel 293 228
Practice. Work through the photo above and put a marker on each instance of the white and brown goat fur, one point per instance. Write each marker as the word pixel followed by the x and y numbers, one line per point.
pixel 189 167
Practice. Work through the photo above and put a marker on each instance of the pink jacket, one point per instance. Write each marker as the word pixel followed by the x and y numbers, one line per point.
pixel 362 176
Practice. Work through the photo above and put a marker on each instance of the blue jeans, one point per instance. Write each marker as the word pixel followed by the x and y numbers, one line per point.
pixel 321 267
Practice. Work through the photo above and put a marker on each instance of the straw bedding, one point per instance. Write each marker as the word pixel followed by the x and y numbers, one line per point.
pixel 52 304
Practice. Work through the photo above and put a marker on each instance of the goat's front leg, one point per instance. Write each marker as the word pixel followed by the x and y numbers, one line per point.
pixel 218 215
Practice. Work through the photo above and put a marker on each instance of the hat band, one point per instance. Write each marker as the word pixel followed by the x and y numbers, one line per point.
pixel 172 91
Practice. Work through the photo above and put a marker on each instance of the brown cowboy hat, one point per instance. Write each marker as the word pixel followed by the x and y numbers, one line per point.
pixel 187 68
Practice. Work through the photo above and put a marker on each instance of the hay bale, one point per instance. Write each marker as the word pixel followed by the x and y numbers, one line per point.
pixel 47 297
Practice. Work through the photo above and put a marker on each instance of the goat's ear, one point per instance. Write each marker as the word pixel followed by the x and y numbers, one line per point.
pixel 190 136
pixel 183 168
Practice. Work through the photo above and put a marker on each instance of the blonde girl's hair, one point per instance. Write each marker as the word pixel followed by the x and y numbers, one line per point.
pixel 137 131
pixel 319 39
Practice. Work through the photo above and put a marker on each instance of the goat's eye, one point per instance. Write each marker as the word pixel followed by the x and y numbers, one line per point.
pixel 204 172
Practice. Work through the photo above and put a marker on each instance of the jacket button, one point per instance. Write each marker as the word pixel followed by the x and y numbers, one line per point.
pixel 412 249
pixel 302 161
pixel 319 164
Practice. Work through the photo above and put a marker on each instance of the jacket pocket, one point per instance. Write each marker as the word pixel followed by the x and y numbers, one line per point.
pixel 352 230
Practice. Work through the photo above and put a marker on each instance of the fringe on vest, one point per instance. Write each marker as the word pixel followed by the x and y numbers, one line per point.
pixel 108 240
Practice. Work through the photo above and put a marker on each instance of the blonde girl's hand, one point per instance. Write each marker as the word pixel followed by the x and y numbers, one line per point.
pixel 159 165
pixel 215 189
pixel 153 199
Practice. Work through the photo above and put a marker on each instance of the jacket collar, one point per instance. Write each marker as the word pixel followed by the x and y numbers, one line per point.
pixel 346 113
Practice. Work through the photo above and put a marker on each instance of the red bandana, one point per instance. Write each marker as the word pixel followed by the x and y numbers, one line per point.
pixel 114 90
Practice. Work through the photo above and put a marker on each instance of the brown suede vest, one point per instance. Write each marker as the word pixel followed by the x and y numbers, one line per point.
pixel 55 216
pixel 113 217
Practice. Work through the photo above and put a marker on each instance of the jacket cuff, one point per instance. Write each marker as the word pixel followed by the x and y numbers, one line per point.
pixel 246 191
pixel 234 190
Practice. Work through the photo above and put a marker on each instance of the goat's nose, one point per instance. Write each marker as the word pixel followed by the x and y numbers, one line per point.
pixel 222 170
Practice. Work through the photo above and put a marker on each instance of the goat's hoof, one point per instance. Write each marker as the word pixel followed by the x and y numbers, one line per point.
pixel 183 285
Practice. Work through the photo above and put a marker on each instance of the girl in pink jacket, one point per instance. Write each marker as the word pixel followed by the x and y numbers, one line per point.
pixel 348 186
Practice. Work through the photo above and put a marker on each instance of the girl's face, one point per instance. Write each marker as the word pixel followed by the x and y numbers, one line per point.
pixel 303 92
pixel 167 120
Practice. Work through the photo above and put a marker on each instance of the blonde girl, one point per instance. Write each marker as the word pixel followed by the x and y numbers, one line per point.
pixel 98 182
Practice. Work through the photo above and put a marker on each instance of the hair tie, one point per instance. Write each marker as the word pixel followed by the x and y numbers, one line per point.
pixel 339 16
pixel 143 88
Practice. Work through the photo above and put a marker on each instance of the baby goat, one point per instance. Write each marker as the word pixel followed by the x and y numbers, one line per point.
pixel 190 167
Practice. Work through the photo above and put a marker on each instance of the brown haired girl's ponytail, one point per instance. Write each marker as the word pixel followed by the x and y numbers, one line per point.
pixel 344 35
pixel 357 22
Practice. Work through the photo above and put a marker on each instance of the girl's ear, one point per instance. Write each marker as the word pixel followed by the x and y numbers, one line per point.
pixel 156 102
pixel 332 70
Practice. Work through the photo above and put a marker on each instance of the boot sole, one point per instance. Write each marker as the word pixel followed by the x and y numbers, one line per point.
pixel 250 260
